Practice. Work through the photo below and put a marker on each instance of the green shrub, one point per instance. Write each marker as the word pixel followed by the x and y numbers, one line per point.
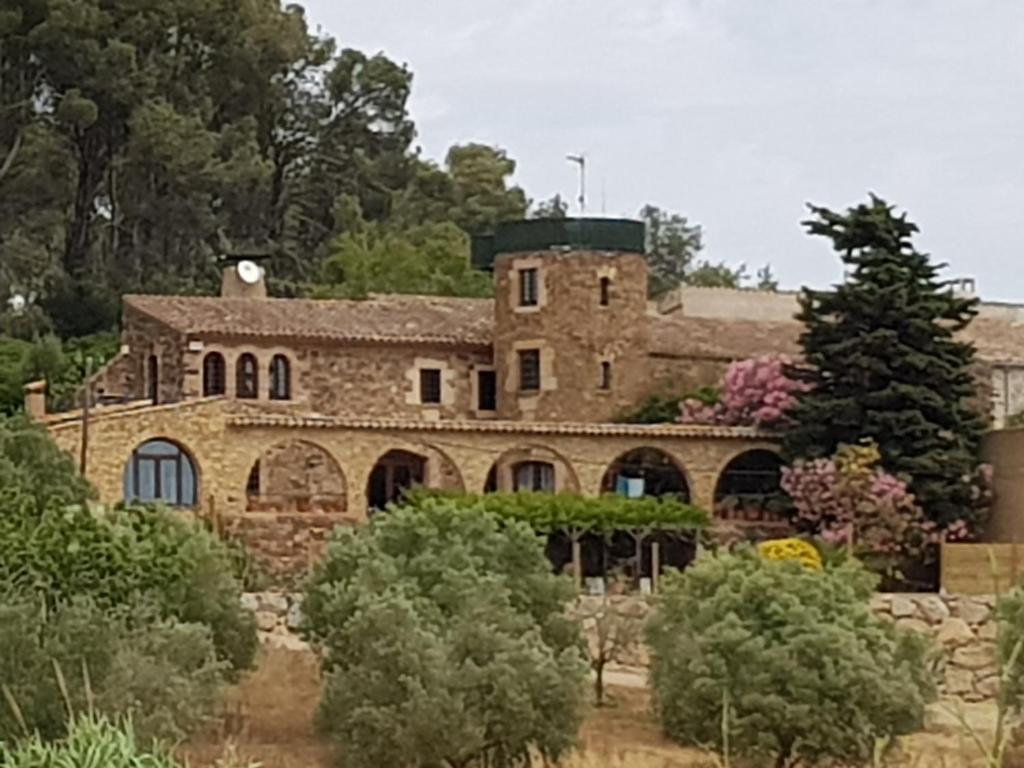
pixel 570 512
pixel 92 741
pixel 35 475
pixel 162 673
pixel 803 667
pixel 444 636
pixel 116 557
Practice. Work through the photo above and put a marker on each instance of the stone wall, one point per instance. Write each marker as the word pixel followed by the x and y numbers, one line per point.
pixel 574 333
pixel 961 628
pixel 383 380
pixel 143 336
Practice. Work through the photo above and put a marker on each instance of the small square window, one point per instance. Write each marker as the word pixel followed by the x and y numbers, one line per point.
pixel 487 390
pixel 606 375
pixel 529 370
pixel 528 287
pixel 430 386
pixel 606 291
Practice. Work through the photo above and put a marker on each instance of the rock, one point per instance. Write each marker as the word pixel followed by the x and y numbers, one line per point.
pixel 915 625
pixel 972 610
pixel 988 630
pixel 959 681
pixel 975 656
pixel 250 601
pixel 265 621
pixel 294 618
pixel 880 602
pixel 989 687
pixel 954 632
pixel 902 607
pixel 932 607
pixel 274 601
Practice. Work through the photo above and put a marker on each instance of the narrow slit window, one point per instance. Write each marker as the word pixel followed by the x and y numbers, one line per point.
pixel 606 375
pixel 528 287
pixel 529 370
pixel 606 291
pixel 487 390
pixel 430 386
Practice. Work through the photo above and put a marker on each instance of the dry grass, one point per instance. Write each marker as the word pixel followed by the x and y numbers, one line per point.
pixel 268 718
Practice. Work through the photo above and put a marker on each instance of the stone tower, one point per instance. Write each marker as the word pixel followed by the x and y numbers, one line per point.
pixel 571 338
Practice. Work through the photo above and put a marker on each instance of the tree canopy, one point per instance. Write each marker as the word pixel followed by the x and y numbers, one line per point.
pixel 139 144
pixel 884 363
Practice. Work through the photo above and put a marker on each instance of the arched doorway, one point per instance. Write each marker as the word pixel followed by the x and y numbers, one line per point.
pixel 646 472
pixel 750 487
pixel 160 471
pixel 296 476
pixel 532 469
pixel 394 473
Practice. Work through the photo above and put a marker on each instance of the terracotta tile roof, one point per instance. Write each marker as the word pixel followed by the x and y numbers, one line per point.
pixel 391 318
pixel 718 339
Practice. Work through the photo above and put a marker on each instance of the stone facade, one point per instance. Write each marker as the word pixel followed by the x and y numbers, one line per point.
pixel 224 440
pixel 575 333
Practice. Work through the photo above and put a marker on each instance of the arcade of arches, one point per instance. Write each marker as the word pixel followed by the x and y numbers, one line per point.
pixel 281 483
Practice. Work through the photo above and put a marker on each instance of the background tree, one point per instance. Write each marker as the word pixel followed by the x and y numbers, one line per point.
pixel 552 208
pixel 613 631
pixel 432 259
pixel 673 249
pixel 884 363
pixel 444 637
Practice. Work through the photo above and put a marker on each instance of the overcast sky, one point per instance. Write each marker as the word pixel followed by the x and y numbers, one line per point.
pixel 735 112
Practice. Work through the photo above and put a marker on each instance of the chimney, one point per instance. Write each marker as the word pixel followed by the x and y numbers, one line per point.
pixel 35 399
pixel 244 280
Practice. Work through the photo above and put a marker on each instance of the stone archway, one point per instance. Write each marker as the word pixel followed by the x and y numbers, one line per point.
pixel 646 472
pixel 296 476
pixel 531 468
pixel 401 469
pixel 749 487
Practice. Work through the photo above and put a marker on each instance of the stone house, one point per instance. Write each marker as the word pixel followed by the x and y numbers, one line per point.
pixel 285 417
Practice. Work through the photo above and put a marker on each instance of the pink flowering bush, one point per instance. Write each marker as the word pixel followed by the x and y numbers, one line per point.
pixel 849 500
pixel 756 392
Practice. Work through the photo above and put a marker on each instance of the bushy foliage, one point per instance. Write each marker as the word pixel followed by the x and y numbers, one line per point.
pixel 35 475
pixel 849 499
pixel 793 658
pixel 757 392
pixel 117 557
pixel 61 364
pixel 443 636
pixel 162 673
pixel 53 543
pixel 92 740
pixel 572 513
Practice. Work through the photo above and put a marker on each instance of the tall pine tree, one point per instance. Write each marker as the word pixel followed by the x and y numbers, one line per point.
pixel 885 362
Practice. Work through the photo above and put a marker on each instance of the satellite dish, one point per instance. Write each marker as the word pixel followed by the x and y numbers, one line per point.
pixel 248 272
pixel 17 303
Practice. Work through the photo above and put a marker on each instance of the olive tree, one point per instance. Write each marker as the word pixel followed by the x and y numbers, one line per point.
pixel 443 635
pixel 786 662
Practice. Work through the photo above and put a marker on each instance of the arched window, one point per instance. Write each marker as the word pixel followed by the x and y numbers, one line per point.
pixel 280 378
pixel 247 377
pixel 394 473
pixel 534 476
pixel 153 379
pixel 214 375
pixel 160 471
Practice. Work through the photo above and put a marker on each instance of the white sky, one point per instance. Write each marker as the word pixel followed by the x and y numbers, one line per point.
pixel 735 112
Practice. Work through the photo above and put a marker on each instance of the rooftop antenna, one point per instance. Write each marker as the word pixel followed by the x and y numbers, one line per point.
pixel 581 161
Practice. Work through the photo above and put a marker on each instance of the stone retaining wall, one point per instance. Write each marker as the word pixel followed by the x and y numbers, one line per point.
pixel 961 627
